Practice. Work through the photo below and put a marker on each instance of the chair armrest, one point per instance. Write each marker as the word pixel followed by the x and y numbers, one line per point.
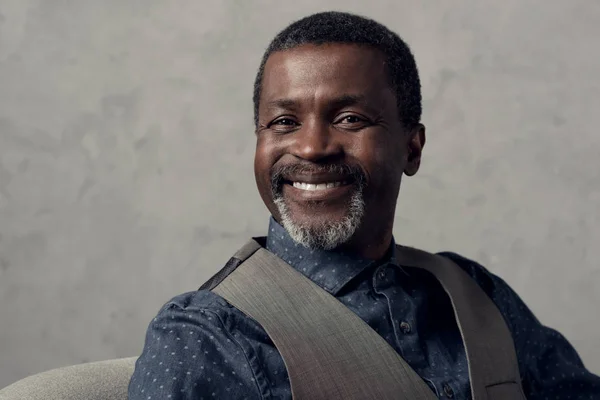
pixel 102 380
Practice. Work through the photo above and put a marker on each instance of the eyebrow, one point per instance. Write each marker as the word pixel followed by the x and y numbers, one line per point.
pixel 282 103
pixel 342 101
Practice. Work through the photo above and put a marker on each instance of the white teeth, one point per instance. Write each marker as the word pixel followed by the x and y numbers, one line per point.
pixel 317 186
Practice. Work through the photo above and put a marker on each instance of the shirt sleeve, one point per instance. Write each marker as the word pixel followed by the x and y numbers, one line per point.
pixel 549 365
pixel 188 354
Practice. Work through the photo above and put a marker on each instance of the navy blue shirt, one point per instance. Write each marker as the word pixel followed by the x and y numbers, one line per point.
pixel 200 347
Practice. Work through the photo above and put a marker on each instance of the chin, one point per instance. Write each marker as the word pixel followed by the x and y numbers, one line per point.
pixel 316 230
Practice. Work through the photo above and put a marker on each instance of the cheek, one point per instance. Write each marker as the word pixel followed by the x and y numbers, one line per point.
pixel 265 156
pixel 384 168
pixel 381 159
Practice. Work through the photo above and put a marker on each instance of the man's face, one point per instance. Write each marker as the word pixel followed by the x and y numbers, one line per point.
pixel 331 148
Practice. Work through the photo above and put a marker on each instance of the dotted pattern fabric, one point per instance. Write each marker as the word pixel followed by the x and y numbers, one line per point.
pixel 200 347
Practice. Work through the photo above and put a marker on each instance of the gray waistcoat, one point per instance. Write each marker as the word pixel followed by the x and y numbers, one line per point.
pixel 332 354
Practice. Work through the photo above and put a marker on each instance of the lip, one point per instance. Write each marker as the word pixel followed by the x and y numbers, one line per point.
pixel 330 194
pixel 317 178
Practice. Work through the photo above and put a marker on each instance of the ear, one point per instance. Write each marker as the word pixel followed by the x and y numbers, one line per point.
pixel 414 149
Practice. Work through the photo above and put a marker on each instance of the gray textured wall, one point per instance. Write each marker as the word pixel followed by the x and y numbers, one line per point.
pixel 126 145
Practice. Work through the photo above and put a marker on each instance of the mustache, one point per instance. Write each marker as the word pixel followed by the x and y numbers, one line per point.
pixel 279 173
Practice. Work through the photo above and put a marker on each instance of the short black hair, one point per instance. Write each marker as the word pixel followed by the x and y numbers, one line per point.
pixel 341 27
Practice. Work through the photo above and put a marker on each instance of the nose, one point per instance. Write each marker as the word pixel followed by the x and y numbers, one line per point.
pixel 316 141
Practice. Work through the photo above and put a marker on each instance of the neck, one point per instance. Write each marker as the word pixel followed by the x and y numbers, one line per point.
pixel 373 247
pixel 372 240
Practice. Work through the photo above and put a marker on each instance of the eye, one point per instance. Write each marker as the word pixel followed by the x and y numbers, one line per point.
pixel 283 125
pixel 352 121
pixel 284 121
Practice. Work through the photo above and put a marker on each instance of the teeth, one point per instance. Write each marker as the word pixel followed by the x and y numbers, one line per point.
pixel 316 186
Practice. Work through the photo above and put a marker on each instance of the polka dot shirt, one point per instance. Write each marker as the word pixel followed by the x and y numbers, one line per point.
pixel 200 347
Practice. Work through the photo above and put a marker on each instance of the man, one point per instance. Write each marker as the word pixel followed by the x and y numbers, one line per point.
pixel 337 107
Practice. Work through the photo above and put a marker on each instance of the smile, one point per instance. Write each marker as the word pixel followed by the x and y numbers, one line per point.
pixel 318 186
pixel 318 190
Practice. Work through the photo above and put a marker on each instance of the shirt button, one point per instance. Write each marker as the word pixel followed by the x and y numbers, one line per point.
pixel 448 391
pixel 405 327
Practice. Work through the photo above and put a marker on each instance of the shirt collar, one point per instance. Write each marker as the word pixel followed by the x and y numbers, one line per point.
pixel 330 269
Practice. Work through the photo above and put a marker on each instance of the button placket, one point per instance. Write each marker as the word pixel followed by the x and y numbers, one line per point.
pixel 380 279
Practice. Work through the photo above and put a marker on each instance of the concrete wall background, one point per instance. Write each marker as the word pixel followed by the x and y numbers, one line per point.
pixel 126 145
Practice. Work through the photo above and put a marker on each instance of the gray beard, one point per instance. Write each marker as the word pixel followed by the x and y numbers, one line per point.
pixel 325 236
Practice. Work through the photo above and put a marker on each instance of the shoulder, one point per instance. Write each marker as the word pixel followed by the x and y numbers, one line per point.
pixel 519 318
pixel 549 364
pixel 193 330
pixel 488 281
pixel 203 307
pixel 509 303
pixel 197 300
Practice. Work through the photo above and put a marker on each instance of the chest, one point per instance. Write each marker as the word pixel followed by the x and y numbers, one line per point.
pixel 413 314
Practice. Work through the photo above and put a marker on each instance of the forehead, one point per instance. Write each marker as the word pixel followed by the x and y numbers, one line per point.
pixel 324 71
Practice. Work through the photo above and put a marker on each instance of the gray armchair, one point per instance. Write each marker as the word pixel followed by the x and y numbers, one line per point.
pixel 103 380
